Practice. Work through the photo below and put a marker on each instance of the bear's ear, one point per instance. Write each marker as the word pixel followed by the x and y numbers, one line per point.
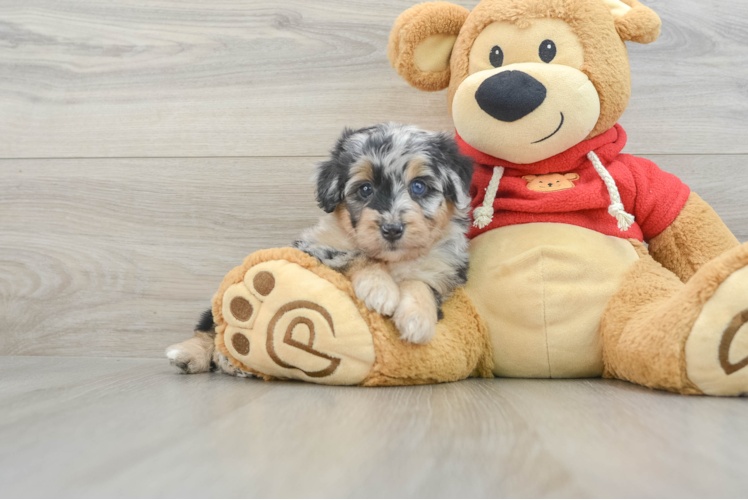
pixel 421 43
pixel 634 21
pixel 572 177
pixel 529 178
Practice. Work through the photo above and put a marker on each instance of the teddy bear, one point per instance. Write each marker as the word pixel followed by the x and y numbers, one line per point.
pixel 585 261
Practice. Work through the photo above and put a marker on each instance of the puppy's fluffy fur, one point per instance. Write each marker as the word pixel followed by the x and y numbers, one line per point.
pixel 399 178
pixel 396 200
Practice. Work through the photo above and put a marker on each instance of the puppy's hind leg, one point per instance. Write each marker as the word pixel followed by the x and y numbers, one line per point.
pixel 196 354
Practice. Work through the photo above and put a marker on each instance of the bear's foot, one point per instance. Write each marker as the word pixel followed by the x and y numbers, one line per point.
pixel 687 338
pixel 283 315
pixel 284 321
pixel 716 352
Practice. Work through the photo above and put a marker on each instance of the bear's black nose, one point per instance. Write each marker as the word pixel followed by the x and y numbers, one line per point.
pixel 510 95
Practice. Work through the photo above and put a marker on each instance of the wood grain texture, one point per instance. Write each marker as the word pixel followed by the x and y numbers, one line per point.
pixel 689 92
pixel 119 257
pixel 76 427
pixel 85 78
pixel 110 253
pixel 96 255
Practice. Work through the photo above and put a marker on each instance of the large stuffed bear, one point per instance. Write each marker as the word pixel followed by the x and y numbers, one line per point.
pixel 561 283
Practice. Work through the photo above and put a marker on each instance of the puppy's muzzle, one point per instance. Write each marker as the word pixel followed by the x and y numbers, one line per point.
pixel 510 95
pixel 392 232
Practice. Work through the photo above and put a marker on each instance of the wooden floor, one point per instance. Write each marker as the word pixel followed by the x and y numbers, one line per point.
pixel 148 146
pixel 121 427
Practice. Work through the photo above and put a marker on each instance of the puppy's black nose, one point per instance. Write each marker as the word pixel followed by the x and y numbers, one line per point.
pixel 510 95
pixel 392 232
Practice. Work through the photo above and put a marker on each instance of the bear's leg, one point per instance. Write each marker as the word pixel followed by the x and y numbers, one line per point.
pixel 282 314
pixel 686 338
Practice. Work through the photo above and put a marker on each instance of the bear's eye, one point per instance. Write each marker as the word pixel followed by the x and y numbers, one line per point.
pixel 547 51
pixel 497 57
pixel 366 190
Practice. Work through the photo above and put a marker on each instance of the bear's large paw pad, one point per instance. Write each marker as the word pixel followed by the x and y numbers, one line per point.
pixel 717 348
pixel 286 321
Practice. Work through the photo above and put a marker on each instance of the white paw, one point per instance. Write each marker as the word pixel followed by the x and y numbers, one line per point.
pixel 416 326
pixel 189 357
pixel 378 291
pixel 416 315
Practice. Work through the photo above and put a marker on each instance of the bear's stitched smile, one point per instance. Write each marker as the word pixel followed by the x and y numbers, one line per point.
pixel 554 133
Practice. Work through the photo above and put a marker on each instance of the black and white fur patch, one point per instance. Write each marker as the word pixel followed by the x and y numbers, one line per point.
pixel 384 152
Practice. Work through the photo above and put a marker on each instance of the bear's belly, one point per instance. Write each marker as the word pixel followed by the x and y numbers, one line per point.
pixel 542 289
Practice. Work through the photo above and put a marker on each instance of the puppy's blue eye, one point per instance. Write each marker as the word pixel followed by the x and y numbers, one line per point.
pixel 366 190
pixel 418 188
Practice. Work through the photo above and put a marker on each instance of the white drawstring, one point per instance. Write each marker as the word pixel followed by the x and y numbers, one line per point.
pixel 483 215
pixel 616 208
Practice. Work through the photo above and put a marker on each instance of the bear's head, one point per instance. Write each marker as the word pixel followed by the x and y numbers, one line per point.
pixel 527 79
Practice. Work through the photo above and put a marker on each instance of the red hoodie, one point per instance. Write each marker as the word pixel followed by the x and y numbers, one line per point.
pixel 653 197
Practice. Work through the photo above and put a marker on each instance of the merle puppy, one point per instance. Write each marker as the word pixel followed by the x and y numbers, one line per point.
pixel 396 200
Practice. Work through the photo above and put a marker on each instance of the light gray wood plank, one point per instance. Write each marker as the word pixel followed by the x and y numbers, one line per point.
pixel 689 93
pixel 252 78
pixel 76 427
pixel 119 257
pixel 190 78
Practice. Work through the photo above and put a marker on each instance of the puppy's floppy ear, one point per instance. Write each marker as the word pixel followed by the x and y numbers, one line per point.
pixel 421 43
pixel 332 175
pixel 634 21
pixel 457 167
pixel 572 176
pixel 529 178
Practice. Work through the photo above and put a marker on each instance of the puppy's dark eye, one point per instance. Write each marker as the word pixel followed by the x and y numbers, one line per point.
pixel 418 188
pixel 366 190
pixel 497 57
pixel 547 51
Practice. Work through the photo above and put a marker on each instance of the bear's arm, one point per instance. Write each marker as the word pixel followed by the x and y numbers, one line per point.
pixel 694 238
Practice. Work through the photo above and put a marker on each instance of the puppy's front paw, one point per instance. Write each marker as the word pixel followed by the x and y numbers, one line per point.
pixel 377 289
pixel 417 327
pixel 416 315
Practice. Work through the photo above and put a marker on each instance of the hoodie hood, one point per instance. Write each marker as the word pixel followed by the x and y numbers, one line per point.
pixel 606 146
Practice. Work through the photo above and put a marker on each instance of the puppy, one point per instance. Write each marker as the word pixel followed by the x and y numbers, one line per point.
pixel 396 200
